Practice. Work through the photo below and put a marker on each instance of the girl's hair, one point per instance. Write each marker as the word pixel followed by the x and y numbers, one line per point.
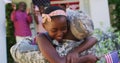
pixel 52 8
pixel 22 3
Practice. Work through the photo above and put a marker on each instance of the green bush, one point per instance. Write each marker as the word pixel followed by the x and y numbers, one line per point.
pixel 107 42
pixel 10 32
pixel 115 14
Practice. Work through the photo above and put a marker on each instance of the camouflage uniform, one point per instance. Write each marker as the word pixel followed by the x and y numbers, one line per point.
pixel 24 52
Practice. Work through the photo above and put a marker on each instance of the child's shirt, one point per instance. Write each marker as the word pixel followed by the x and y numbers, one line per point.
pixel 21 22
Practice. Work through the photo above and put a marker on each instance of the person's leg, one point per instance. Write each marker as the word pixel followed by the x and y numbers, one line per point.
pixel 19 39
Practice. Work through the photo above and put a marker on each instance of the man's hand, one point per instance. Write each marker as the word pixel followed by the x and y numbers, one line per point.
pixel 92 58
pixel 72 57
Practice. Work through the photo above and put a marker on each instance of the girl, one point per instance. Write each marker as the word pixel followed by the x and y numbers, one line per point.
pixel 22 20
pixel 57 27
pixel 38 18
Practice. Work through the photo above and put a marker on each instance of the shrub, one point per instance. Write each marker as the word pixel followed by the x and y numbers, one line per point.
pixel 10 32
pixel 107 42
pixel 115 14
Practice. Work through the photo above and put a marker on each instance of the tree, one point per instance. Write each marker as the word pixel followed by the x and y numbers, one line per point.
pixel 10 32
pixel 115 14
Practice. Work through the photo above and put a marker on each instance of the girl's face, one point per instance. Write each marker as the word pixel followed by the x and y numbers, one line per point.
pixel 57 28
pixel 22 7
pixel 41 8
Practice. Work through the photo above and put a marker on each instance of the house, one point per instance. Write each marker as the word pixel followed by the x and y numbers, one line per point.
pixel 96 9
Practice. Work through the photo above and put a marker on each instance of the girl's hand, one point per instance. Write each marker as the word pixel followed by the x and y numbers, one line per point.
pixel 28 11
pixel 73 57
pixel 14 6
pixel 92 58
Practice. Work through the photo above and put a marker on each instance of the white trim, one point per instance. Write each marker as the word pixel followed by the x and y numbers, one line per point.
pixel 8 1
pixel 66 1
pixel 77 5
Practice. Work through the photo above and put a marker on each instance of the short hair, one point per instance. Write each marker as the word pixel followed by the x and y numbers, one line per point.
pixel 22 3
pixel 52 8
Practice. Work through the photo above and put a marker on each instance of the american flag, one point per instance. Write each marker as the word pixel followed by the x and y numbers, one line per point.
pixel 112 57
pixel 72 4
pixel 41 2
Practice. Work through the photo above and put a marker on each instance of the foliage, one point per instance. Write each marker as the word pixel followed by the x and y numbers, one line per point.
pixel 10 32
pixel 113 1
pixel 107 42
pixel 115 14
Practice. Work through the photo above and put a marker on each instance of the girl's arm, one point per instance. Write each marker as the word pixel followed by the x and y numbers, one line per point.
pixel 13 14
pixel 87 44
pixel 29 17
pixel 13 17
pixel 36 18
pixel 48 50
pixel 51 54
pixel 74 54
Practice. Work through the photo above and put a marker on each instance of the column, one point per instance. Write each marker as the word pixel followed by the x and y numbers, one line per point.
pixel 99 11
pixel 3 53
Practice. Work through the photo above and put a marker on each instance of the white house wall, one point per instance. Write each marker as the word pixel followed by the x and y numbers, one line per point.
pixel 99 12
pixel 3 52
pixel 84 6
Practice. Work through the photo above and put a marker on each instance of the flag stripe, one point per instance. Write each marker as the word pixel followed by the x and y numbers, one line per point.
pixel 64 1
pixel 112 57
pixel 108 58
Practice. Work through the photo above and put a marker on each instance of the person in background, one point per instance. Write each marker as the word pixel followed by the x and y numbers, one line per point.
pixel 38 9
pixel 37 12
pixel 22 20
